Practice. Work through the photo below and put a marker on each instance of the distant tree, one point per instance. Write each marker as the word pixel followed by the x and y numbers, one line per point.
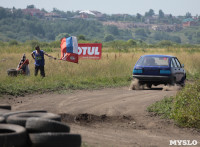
pixel 13 42
pixel 188 15
pixel 62 35
pixel 81 37
pixel 198 34
pixel 150 13
pixel 161 14
pixel 189 37
pixel 55 10
pixel 131 42
pixel 160 36
pixel 30 6
pixel 108 38
pixel 111 29
pixel 4 13
pixel 50 35
pixel 165 43
pixel 138 16
pixel 176 39
pixel 141 32
pixel 43 10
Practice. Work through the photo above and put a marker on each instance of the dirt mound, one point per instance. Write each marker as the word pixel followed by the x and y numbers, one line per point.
pixel 90 118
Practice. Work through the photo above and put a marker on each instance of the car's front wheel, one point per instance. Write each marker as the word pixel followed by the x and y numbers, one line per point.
pixel 173 81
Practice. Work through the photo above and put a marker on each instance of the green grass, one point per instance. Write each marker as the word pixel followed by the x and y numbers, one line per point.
pixel 184 108
pixel 114 69
pixel 162 108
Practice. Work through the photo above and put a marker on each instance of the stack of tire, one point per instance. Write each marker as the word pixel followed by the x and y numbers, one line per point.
pixel 34 128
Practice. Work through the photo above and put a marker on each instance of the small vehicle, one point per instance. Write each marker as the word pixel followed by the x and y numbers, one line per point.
pixel 159 69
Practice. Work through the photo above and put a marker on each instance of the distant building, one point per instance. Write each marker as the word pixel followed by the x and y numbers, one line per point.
pixel 189 22
pixel 33 12
pixel 51 16
pixel 86 14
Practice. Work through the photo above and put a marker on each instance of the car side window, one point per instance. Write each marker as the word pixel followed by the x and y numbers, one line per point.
pixel 177 62
pixel 173 63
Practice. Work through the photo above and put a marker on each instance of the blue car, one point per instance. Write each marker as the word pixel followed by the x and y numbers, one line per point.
pixel 159 69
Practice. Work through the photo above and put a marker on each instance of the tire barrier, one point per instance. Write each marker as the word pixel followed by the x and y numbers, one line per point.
pixel 38 125
pixel 2 119
pixel 18 112
pixel 21 118
pixel 13 136
pixel 5 106
pixel 4 111
pixel 35 128
pixel 55 140
pixel 12 72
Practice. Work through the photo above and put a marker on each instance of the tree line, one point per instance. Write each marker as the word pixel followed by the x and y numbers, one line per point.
pixel 15 25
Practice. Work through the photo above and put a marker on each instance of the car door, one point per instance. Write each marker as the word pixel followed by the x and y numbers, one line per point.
pixel 174 69
pixel 180 70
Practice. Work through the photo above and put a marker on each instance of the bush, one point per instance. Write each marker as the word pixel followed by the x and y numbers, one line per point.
pixel 33 43
pixel 186 107
pixel 165 43
pixel 13 42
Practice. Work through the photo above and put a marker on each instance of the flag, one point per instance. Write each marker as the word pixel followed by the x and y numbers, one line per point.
pixel 69 49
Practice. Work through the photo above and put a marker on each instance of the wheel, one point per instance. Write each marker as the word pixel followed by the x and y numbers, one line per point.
pixel 13 136
pixel 20 119
pixel 2 119
pixel 173 81
pixel 18 112
pixel 38 125
pixel 149 86
pixel 55 139
pixel 182 83
pixel 5 106
pixel 4 111
pixel 12 72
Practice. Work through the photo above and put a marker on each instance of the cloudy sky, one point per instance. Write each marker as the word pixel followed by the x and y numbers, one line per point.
pixel 174 7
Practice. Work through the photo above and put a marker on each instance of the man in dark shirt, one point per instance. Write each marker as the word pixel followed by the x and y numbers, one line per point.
pixel 38 56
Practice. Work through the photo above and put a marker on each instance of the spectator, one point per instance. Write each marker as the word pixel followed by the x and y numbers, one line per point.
pixel 38 56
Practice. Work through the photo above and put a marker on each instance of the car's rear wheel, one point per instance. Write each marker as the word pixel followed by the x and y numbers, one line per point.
pixel 149 86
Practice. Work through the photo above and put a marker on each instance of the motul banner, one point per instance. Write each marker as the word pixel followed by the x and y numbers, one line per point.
pixel 89 50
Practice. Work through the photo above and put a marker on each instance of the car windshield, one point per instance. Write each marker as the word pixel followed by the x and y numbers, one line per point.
pixel 153 61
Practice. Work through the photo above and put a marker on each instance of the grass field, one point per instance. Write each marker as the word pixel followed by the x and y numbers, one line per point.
pixel 114 69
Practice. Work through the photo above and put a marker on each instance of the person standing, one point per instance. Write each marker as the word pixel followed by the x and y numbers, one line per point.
pixel 38 56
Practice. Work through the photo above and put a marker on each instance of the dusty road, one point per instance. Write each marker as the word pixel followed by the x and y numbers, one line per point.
pixel 110 117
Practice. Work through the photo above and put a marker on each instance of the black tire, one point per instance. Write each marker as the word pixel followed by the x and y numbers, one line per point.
pixel 149 86
pixel 19 112
pixel 173 81
pixel 20 119
pixel 13 136
pixel 55 140
pixel 5 106
pixel 12 72
pixel 39 125
pixel 4 111
pixel 182 83
pixel 2 119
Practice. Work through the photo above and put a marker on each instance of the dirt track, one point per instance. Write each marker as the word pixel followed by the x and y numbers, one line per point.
pixel 110 117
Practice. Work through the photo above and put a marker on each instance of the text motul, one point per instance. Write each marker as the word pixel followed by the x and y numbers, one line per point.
pixel 88 51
